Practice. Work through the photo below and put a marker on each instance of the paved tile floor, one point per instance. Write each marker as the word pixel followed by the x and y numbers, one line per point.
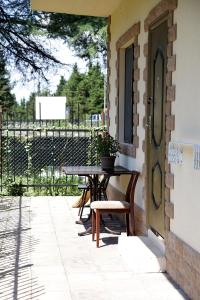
pixel 43 258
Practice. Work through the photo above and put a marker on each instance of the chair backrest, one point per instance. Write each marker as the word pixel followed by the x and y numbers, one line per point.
pixel 130 192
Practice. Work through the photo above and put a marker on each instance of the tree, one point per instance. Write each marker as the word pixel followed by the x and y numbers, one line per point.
pixel 30 105
pixel 86 34
pixel 84 92
pixel 20 30
pixel 19 40
pixel 74 94
pixel 95 87
pixel 7 99
pixel 60 91
pixel 22 107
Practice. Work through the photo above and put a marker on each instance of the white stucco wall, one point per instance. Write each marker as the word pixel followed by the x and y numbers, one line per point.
pixel 186 193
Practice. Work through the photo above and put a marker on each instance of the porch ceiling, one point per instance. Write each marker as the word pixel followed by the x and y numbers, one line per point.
pixel 101 8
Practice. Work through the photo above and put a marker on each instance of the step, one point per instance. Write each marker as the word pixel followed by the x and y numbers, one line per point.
pixel 142 254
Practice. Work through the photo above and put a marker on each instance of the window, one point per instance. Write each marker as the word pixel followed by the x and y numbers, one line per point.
pixel 128 52
pixel 126 69
pixel 128 95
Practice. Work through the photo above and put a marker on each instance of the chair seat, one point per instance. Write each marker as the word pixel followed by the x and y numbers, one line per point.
pixel 110 204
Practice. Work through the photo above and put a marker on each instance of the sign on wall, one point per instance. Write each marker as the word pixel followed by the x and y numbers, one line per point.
pixel 196 157
pixel 177 149
pixel 175 153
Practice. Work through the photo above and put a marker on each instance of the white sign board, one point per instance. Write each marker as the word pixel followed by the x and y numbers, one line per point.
pixel 50 108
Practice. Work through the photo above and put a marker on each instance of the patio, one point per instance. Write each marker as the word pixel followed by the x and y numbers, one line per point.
pixel 42 257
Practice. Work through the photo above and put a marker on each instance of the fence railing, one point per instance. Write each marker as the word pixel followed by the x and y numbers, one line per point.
pixel 33 151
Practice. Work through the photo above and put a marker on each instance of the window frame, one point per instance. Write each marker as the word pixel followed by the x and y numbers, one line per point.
pixel 128 38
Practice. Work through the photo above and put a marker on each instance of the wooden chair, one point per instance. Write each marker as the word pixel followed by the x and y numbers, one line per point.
pixel 114 206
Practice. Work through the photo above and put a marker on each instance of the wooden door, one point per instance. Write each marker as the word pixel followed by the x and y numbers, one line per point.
pixel 156 126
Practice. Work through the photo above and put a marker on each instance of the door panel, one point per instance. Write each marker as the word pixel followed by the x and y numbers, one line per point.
pixel 158 72
pixel 156 125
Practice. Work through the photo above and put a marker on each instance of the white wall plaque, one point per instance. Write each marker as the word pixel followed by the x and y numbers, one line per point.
pixel 175 153
pixel 196 157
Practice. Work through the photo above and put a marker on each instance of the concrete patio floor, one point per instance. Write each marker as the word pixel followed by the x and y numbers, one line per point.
pixel 42 257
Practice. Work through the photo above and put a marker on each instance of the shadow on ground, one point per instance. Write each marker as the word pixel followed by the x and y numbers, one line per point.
pixel 16 246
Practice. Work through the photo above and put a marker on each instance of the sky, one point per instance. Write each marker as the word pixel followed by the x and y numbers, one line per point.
pixel 64 54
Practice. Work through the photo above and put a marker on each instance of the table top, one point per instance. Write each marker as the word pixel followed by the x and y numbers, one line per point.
pixel 94 170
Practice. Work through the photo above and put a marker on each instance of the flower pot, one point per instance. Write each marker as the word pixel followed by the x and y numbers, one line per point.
pixel 107 162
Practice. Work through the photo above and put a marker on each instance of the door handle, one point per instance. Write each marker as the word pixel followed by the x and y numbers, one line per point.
pixel 149 100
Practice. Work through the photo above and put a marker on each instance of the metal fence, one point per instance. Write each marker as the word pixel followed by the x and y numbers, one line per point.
pixel 32 153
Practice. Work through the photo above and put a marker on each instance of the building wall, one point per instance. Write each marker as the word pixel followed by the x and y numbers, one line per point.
pixel 183 181
pixel 186 108
pixel 186 193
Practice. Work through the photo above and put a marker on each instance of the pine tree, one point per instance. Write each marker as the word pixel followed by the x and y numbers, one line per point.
pixel 74 94
pixel 95 86
pixel 30 105
pixel 60 91
pixel 20 28
pixel 84 92
pixel 7 99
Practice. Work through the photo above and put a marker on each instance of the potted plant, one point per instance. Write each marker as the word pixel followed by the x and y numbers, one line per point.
pixel 106 148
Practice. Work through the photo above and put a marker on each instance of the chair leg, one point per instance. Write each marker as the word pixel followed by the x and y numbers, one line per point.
pixel 97 227
pixel 127 225
pixel 80 211
pixel 82 207
pixel 93 224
